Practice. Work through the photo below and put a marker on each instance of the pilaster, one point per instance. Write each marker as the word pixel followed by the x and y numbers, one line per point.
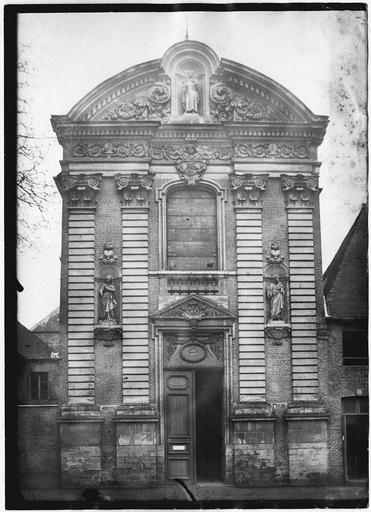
pixel 134 190
pixel 247 193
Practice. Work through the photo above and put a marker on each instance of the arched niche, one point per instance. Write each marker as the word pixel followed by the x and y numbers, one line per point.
pixel 107 287
pixel 276 294
pixel 210 187
pixel 201 62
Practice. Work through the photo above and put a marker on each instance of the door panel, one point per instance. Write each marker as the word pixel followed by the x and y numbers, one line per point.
pixel 179 414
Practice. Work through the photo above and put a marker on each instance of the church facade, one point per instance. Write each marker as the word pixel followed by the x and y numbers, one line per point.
pixel 193 337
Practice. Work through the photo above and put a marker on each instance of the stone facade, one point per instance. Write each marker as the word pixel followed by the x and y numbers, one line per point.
pixel 191 252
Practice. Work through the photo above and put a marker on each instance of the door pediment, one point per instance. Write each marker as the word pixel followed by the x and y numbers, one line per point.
pixel 194 308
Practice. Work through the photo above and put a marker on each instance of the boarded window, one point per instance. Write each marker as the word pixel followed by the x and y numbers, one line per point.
pixel 191 230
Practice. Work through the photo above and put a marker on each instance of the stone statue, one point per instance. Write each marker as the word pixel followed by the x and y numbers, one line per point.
pixel 107 305
pixel 191 97
pixel 276 294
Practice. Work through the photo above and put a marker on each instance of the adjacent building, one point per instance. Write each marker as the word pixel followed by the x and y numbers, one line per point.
pixel 193 340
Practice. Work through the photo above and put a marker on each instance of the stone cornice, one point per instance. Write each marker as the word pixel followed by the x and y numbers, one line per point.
pixel 68 131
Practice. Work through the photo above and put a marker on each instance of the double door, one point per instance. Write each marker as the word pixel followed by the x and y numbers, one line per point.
pixel 194 425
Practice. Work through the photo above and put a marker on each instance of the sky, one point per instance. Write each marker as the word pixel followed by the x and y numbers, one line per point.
pixel 319 56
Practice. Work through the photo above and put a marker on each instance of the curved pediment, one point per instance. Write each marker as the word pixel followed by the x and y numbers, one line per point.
pixel 190 84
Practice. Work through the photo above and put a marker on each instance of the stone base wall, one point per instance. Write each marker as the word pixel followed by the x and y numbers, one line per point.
pixel 308 452
pixel 81 453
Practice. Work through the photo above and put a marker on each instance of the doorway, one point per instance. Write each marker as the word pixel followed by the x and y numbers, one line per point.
pixel 194 425
pixel 355 414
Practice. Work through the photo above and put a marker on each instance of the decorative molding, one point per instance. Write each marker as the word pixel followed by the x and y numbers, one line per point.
pixel 271 150
pixel 277 333
pixel 248 189
pixel 209 347
pixel 299 190
pixel 134 189
pixel 109 150
pixel 81 189
pixel 228 105
pixel 191 171
pixel 275 255
pixel 152 105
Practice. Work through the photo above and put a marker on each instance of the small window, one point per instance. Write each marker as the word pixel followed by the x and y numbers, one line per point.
pixel 39 386
pixel 355 345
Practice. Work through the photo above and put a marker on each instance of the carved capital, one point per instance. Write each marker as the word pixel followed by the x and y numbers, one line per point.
pixel 247 189
pixel 191 171
pixel 80 190
pixel 134 189
pixel 299 190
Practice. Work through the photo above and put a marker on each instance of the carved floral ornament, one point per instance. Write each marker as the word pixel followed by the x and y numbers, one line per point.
pixel 134 188
pixel 248 188
pixel 227 105
pixel 299 189
pixel 151 105
pixel 80 189
pixel 284 151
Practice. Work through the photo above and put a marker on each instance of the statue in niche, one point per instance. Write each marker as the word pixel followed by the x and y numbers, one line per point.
pixel 276 295
pixel 107 305
pixel 191 96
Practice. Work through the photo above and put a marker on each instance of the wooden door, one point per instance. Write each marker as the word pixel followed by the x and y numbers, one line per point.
pixel 179 414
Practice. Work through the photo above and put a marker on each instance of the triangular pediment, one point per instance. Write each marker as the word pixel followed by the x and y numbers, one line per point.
pixel 193 307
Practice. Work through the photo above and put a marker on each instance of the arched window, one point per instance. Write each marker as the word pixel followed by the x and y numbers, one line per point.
pixel 191 229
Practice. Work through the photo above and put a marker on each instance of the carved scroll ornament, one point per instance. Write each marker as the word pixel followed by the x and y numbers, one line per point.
pixel 299 190
pixel 81 189
pixel 271 150
pixel 109 150
pixel 153 105
pixel 134 188
pixel 248 188
pixel 227 105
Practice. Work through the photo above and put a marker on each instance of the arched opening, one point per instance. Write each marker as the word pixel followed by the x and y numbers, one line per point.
pixel 191 229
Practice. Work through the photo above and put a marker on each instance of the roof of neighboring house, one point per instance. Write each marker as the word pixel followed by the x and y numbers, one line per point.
pixel 30 346
pixel 50 323
pixel 346 278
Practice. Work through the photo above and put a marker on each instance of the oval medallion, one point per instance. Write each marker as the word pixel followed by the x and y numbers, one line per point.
pixel 193 353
